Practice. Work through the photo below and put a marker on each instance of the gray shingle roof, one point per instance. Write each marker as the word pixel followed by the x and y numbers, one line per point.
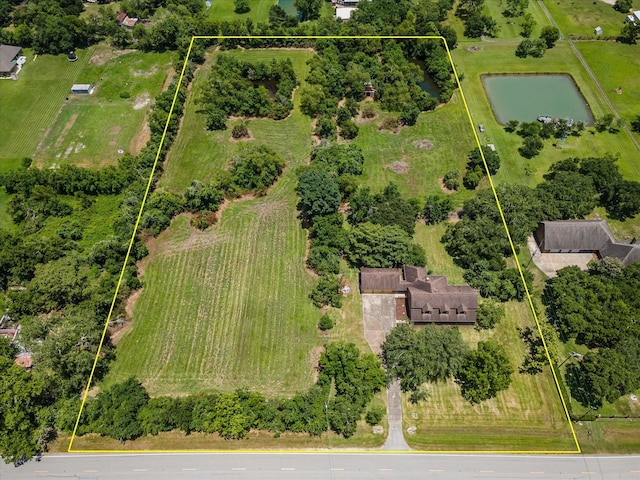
pixel 7 54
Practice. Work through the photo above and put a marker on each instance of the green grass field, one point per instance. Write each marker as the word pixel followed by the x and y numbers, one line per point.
pixel 91 129
pixel 578 18
pixel 223 10
pixel 30 104
pixel 232 301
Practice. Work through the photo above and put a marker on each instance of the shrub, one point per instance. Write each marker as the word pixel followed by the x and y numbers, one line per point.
pixel 325 323
pixel 349 130
pixel 240 130
pixel 390 123
pixel 325 128
pixel 241 6
pixel 125 94
pixel 374 416
pixel 368 111
pixel 451 179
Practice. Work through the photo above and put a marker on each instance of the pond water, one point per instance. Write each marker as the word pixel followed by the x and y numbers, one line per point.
pixel 526 97
pixel 287 6
pixel 427 84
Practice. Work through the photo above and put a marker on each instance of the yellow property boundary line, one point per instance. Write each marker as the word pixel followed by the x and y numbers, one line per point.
pixel 324 450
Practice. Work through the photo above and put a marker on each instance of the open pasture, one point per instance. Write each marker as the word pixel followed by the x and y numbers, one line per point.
pixel 578 18
pixel 228 307
pixel 223 10
pixel 93 130
pixel 31 103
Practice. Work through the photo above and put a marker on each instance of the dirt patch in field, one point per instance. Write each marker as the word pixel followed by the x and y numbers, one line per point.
pixel 167 81
pixel 142 101
pixel 140 139
pixel 473 49
pixel 116 334
pixel 454 217
pixel 401 168
pixel 443 188
pixel 103 56
pixel 145 73
pixel 423 144
pixel 66 128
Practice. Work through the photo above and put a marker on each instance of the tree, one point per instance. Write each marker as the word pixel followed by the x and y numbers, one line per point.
pixel 382 246
pixel 384 208
pixel 531 146
pixel 428 355
pixel 325 128
pixel 550 35
pixel 436 209
pixel 527 25
pixel 485 372
pixel 515 8
pixel 308 9
pixel 349 130
pixel 489 313
pixel 325 323
pixel 491 158
pixel 323 260
pixel 623 6
pixel 629 33
pixel 565 195
pixel 319 192
pixel 626 201
pixel 241 6
pixel 635 124
pixel 327 292
pixel 409 115
pixel 200 197
pixel 114 412
pixel 511 126
pixel 256 169
pixel 534 48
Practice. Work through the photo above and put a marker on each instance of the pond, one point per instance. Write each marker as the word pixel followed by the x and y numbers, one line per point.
pixel 427 84
pixel 526 97
pixel 287 6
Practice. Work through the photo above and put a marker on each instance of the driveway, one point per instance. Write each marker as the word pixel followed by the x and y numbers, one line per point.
pixel 379 312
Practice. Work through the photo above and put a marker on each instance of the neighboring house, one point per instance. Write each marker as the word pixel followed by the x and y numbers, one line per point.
pixel 82 88
pixel 10 60
pixel 633 18
pixel 584 236
pixel 429 298
pixel 9 333
pixel 125 21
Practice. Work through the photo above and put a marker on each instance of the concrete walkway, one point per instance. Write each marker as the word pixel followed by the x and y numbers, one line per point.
pixel 379 313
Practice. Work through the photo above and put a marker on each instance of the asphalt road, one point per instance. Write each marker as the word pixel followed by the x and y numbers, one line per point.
pixel 325 465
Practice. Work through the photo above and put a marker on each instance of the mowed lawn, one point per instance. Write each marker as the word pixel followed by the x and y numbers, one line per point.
pixel 94 130
pixel 223 10
pixel 30 104
pixel 228 307
pixel 578 18
pixel 527 416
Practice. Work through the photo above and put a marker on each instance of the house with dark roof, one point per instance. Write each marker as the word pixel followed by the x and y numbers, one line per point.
pixel 584 236
pixel 429 298
pixel 10 60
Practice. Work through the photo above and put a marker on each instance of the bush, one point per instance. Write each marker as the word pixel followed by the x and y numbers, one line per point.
pixel 374 416
pixel 125 94
pixel 349 130
pixel 489 314
pixel 368 111
pixel 240 130
pixel 325 128
pixel 325 323
pixel 390 123
pixel 409 115
pixel 203 220
pixel 451 179
pixel 327 292
pixel 436 209
pixel 241 6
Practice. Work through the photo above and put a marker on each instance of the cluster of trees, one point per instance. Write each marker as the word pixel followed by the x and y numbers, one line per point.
pixel 253 171
pixel 433 354
pixel 533 133
pixel 477 22
pixel 343 68
pixel 236 87
pixel 476 170
pixel 595 309
pixel 535 48
pixel 347 381
pixel 59 285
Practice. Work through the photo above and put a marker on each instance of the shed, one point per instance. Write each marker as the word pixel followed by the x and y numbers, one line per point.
pixel 343 13
pixel 597 31
pixel 82 88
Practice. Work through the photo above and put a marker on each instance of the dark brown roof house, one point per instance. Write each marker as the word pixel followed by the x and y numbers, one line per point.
pixel 429 298
pixel 126 21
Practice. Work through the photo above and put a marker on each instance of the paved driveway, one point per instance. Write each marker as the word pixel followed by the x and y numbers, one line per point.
pixel 379 313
